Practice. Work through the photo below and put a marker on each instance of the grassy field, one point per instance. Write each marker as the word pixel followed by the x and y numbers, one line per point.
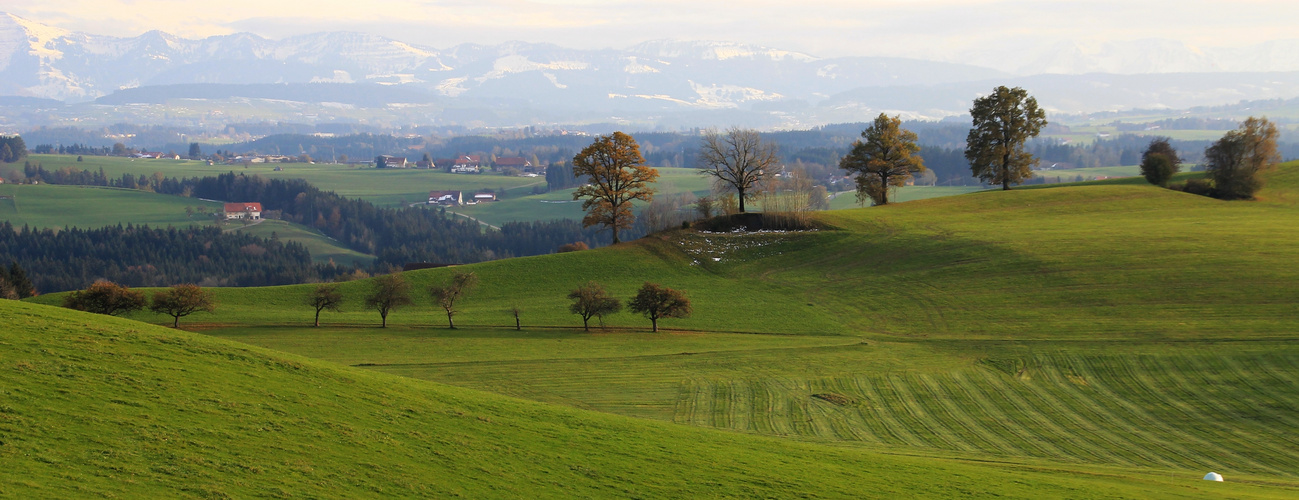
pixel 101 407
pixel 322 248
pixel 848 199
pixel 1109 324
pixel 89 207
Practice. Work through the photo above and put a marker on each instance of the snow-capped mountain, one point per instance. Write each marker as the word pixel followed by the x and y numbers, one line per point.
pixel 41 61
pixel 649 82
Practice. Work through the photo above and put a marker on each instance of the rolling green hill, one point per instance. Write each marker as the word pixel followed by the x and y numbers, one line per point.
pixel 1108 324
pixel 101 407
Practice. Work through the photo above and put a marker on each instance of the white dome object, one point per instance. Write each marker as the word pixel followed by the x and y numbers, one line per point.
pixel 1213 476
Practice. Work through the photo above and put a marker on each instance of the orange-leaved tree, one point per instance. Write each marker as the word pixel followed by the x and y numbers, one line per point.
pixel 616 174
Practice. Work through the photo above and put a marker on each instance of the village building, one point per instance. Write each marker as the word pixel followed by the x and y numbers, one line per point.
pixel 387 161
pixel 448 198
pixel 516 162
pixel 246 210
pixel 480 197
pixel 467 164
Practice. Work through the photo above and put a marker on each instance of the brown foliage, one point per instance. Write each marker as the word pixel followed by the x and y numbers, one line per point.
pixel 105 297
pixel 617 175
pixel 883 159
pixel 655 302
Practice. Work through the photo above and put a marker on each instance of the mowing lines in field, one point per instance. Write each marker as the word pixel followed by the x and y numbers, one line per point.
pixel 1149 411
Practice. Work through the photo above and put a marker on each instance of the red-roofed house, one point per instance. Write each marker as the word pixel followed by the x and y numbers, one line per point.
pixel 249 210
pixel 518 162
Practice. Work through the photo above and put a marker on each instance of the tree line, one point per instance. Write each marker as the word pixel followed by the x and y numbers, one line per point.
pixel 71 258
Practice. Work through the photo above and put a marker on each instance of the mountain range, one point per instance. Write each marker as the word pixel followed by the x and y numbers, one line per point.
pixel 645 80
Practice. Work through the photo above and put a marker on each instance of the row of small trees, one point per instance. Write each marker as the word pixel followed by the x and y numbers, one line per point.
pixel 591 300
pixel 106 297
pixel 390 292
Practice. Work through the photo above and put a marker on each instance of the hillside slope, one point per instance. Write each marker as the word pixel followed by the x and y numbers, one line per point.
pixel 96 406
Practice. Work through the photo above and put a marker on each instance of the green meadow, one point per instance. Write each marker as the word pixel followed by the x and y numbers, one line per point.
pixel 103 407
pixel 85 206
pixel 1106 339
pixel 322 248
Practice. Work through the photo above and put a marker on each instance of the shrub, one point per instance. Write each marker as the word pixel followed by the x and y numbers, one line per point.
pixel 573 247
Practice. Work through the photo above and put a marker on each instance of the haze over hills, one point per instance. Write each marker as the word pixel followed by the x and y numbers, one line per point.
pixel 672 82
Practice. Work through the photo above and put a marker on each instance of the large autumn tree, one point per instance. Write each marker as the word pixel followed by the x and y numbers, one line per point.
pixel 616 174
pixel 884 158
pixel 1003 122
pixel 1235 161
pixel 738 159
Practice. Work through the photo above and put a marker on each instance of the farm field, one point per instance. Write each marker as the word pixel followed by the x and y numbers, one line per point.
pixel 99 406
pixel 322 248
pixel 1110 326
pixel 1070 174
pixel 90 207
pixel 520 205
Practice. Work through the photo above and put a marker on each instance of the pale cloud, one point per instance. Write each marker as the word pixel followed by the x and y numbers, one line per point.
pixel 943 29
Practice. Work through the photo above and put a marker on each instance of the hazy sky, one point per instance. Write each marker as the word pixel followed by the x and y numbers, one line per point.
pixel 933 29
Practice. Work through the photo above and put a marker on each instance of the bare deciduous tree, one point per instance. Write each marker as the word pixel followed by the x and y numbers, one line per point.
pixel 591 300
pixel 738 159
pixel 325 296
pixel 390 292
pixel 446 293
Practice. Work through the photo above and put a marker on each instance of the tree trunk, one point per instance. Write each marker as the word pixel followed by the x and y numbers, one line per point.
pixel 655 322
pixel 175 323
pixel 585 325
pixel 516 323
pixel 615 232
pixel 317 317
pixel 384 323
pixel 450 322
pixel 741 190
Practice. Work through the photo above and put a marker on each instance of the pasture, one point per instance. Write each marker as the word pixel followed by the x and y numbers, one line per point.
pixel 1108 326
pixel 89 207
pixel 103 407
